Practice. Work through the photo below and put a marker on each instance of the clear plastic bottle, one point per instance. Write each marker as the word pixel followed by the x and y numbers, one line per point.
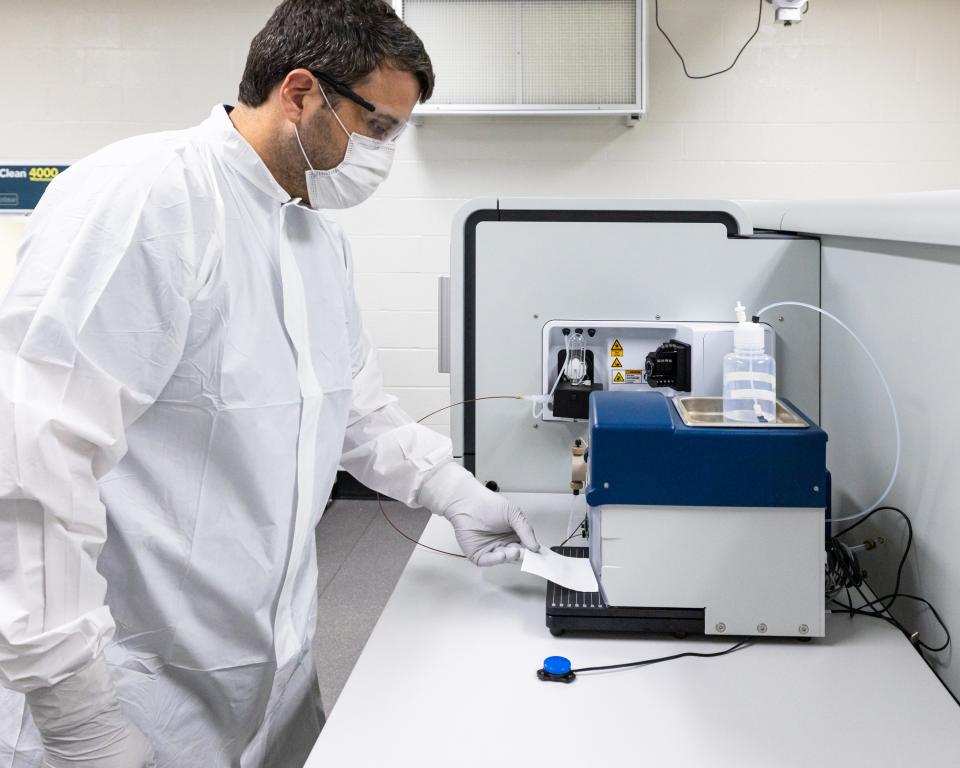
pixel 749 375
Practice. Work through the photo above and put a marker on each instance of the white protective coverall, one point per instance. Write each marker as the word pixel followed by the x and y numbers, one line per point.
pixel 182 367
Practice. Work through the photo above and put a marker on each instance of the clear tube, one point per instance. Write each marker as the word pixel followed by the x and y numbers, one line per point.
pixel 575 517
pixel 757 410
pixel 886 387
pixel 544 400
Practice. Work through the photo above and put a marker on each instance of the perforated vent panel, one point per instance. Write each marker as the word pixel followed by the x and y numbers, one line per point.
pixel 529 53
pixel 472 46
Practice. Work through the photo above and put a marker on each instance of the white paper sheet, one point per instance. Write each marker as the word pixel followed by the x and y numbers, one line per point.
pixel 571 572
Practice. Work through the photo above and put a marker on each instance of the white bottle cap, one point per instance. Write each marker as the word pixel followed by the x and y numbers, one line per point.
pixel 748 337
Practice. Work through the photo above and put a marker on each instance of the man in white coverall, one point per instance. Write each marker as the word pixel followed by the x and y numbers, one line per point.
pixel 182 371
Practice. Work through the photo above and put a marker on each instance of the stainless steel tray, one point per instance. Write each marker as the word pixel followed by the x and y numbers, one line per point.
pixel 708 412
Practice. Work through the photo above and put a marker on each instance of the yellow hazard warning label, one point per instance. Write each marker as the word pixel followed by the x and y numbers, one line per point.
pixel 618 379
pixel 616 363
pixel 617 349
pixel 633 377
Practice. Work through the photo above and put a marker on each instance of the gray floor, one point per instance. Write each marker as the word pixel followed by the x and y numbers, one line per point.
pixel 360 559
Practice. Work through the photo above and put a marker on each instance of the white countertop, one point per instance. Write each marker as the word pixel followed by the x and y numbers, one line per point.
pixel 448 679
pixel 916 217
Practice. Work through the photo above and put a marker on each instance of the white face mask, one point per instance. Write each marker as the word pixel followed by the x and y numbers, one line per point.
pixel 365 165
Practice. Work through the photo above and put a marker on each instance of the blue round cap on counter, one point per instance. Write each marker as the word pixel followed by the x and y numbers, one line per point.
pixel 556 665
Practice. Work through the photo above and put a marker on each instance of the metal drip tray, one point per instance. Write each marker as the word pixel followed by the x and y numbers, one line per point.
pixel 708 412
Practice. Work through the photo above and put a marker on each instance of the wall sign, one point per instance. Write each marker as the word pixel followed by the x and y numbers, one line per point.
pixel 22 186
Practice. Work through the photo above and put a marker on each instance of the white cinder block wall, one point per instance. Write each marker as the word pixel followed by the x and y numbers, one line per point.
pixel 863 96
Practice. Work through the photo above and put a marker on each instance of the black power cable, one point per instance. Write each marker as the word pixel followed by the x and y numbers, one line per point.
pixel 843 573
pixel 420 421
pixel 649 662
pixel 849 609
pixel 906 550
pixel 867 609
pixel 579 529
pixel 843 567
pixel 680 56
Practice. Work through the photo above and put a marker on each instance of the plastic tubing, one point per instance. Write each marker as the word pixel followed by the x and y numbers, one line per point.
pixel 886 387
pixel 544 400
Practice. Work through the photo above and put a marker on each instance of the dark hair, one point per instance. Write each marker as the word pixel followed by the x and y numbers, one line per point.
pixel 345 39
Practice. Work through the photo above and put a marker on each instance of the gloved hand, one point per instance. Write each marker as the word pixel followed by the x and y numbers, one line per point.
pixel 489 529
pixel 82 726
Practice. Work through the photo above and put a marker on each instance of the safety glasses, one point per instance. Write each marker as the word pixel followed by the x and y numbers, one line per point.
pixel 379 125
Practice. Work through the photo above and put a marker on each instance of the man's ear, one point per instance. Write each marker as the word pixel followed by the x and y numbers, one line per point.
pixel 294 89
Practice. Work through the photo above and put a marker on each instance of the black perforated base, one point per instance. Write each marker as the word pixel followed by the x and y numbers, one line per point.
pixel 571 611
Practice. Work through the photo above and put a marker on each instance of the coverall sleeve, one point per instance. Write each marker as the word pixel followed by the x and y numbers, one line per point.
pixel 384 448
pixel 91 328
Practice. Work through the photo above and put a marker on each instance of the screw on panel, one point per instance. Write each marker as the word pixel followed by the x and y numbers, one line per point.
pixel 804 629
pixel 658 317
pixel 721 627
pixel 816 489
pixel 780 318
pixel 762 628
pixel 536 317
pixel 536 426
pixel 606 485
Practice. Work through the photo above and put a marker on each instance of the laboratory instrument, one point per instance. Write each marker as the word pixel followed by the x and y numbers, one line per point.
pixel 649 283
pixel 698 525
